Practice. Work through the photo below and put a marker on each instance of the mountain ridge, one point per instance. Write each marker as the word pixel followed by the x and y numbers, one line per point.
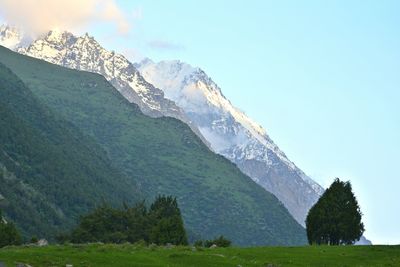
pixel 85 53
pixel 232 134
pixel 197 101
pixel 161 156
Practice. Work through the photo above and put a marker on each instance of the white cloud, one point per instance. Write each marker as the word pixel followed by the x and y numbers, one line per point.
pixel 165 45
pixel 39 16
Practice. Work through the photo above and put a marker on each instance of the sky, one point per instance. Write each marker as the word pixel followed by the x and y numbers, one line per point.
pixel 322 77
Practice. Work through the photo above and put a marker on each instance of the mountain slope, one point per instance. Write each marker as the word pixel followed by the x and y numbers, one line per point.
pixel 202 106
pixel 232 134
pixel 50 173
pixel 163 156
pixel 85 53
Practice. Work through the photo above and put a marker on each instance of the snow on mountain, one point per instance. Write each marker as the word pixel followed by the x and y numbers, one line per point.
pixel 10 37
pixel 85 53
pixel 363 242
pixel 232 134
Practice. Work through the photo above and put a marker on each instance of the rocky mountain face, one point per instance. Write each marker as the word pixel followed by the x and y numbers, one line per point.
pixel 232 134
pixel 10 37
pixel 85 53
pixel 176 89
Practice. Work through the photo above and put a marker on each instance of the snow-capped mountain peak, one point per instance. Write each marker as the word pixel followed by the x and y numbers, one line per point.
pixel 85 53
pixel 233 134
pixel 10 37
pixel 58 36
pixel 195 92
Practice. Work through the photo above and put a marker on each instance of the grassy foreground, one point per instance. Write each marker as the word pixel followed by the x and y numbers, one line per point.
pixel 131 255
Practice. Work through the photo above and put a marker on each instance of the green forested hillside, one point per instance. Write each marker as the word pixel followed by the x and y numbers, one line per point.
pixel 49 172
pixel 162 156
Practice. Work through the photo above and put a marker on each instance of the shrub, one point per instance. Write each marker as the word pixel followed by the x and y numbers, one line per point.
pixel 9 234
pixel 220 241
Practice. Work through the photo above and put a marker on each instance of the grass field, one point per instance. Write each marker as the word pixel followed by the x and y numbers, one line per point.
pixel 131 255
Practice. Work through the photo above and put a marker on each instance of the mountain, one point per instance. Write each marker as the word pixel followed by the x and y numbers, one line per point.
pixel 363 242
pixel 161 156
pixel 233 134
pixel 190 96
pixel 10 37
pixel 85 53
pixel 50 173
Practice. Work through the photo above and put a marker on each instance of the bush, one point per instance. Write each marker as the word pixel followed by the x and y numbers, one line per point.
pixel 34 240
pixel 9 234
pixel 199 243
pixel 220 241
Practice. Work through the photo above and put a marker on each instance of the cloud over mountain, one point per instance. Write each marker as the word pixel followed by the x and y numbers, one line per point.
pixel 39 16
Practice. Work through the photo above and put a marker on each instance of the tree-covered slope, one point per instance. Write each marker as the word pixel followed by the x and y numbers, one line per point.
pixel 163 156
pixel 50 173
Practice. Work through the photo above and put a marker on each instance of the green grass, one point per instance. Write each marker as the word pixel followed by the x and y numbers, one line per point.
pixel 131 255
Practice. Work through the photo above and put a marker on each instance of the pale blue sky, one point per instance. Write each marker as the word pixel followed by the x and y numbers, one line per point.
pixel 323 78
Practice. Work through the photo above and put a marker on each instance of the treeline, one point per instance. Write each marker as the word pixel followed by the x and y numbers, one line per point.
pixel 160 224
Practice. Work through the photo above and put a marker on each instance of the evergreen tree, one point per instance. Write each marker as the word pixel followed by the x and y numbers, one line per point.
pixel 336 218
pixel 9 234
pixel 167 223
pixel 138 223
pixel 161 224
pixel 104 224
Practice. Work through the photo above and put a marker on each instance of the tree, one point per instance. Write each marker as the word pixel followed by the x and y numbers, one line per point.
pixel 138 223
pixel 336 218
pixel 161 224
pixel 9 234
pixel 104 224
pixel 167 223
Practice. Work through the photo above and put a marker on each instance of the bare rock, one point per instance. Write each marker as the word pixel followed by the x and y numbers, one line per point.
pixel 42 243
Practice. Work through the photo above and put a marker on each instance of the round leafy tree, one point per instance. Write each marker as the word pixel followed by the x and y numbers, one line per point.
pixel 336 218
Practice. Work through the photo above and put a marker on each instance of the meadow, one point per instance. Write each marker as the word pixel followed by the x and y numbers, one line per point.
pixel 138 255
